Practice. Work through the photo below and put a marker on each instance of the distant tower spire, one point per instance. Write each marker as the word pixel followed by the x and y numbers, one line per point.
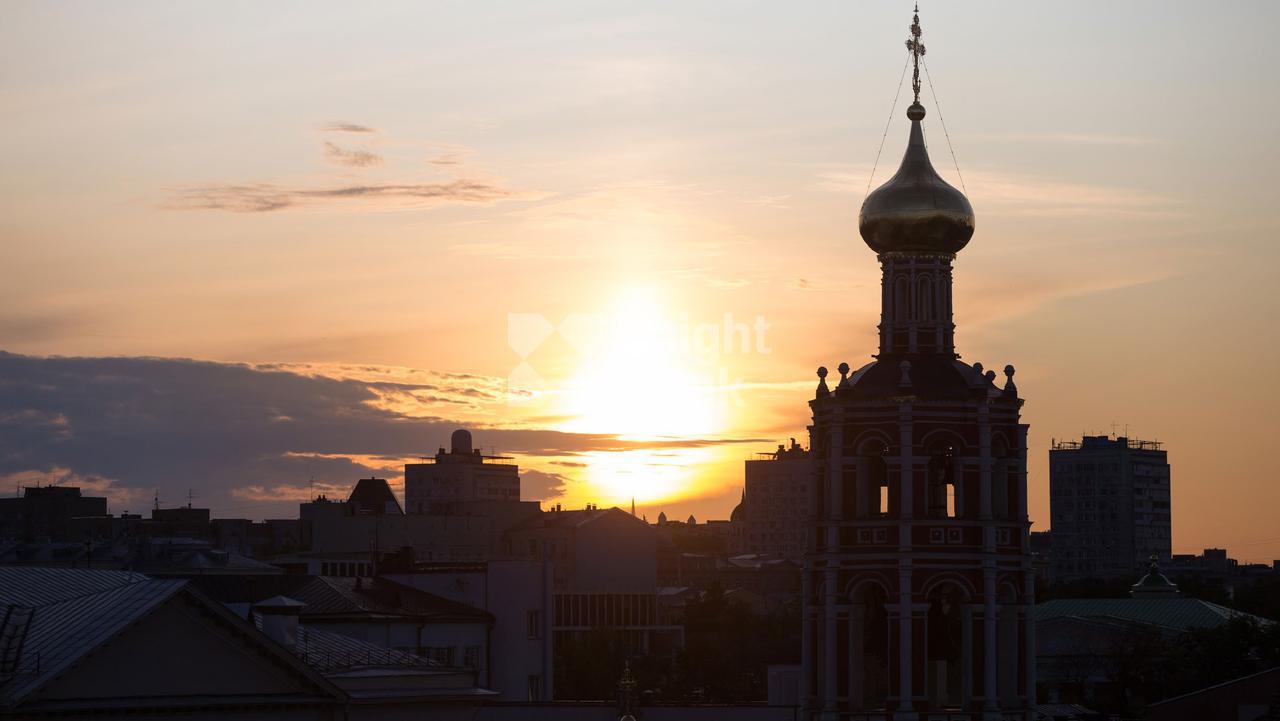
pixel 916 48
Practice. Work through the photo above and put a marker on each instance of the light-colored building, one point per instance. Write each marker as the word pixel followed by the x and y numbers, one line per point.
pixel 518 595
pixel 1109 506
pixel 604 576
pixel 459 475
pixel 771 519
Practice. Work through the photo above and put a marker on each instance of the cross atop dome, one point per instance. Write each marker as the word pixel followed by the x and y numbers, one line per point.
pixel 916 48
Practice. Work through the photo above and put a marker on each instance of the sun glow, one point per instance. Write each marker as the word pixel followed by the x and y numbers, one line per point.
pixel 638 380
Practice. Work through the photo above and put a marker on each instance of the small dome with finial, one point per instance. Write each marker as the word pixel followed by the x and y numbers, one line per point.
pixel 916 211
pixel 1155 584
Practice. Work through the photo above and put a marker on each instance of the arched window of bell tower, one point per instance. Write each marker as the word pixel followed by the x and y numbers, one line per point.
pixel 946 638
pixel 1008 658
pixel 924 302
pixel 901 299
pixel 1000 500
pixel 869 646
pixel 943 492
pixel 875 496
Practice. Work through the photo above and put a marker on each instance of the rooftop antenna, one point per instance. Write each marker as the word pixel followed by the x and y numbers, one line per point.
pixel 190 498
pixel 157 500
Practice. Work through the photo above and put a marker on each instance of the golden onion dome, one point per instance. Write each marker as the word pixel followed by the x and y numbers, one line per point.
pixel 916 211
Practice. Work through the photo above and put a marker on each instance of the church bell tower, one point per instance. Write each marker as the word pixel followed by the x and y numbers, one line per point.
pixel 917 585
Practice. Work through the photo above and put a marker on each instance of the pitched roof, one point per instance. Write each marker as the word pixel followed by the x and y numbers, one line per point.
pixel 26 586
pixel 1274 671
pixel 326 651
pixel 1182 613
pixel 54 617
pixel 202 560
pixel 374 496
pixel 331 597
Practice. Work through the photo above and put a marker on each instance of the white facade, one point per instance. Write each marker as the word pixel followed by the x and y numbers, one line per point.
pixel 517 593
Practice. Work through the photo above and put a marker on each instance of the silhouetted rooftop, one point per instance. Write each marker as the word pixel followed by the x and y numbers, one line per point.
pixel 335 598
pixel 1181 614
pixel 54 617
pixel 373 495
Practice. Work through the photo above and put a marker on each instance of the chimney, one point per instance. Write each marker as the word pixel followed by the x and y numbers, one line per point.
pixel 279 619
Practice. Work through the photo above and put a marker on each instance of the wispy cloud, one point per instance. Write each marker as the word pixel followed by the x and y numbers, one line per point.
pixel 341 127
pixel 1069 138
pixel 267 197
pixel 448 159
pixel 282 492
pixel 351 158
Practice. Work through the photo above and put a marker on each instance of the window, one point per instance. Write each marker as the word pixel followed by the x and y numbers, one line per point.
pixel 533 623
pixel 884 500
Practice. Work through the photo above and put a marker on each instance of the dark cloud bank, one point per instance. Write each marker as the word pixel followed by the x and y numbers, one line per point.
pixel 175 425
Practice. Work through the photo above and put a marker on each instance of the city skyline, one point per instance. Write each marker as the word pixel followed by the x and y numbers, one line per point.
pixel 383 245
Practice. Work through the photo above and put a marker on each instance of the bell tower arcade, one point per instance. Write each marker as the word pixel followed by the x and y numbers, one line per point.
pixel 917 585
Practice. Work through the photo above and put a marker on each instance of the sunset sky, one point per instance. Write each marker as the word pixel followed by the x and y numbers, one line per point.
pixel 248 245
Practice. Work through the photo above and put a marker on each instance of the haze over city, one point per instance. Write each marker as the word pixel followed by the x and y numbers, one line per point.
pixel 617 241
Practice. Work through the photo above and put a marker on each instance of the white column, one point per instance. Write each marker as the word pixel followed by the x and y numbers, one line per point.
pixel 857 617
pixel 1022 478
pixel 989 635
pixel 984 471
pixel 835 479
pixel 906 616
pixel 906 476
pixel 966 654
pixel 829 644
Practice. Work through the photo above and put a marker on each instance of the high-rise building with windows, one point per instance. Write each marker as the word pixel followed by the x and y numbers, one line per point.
pixel 772 517
pixel 1109 506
